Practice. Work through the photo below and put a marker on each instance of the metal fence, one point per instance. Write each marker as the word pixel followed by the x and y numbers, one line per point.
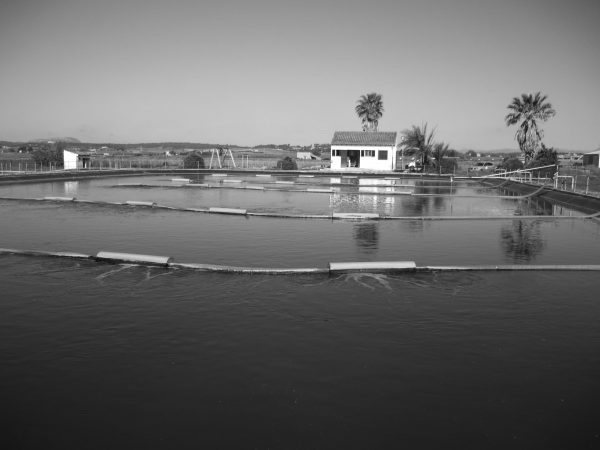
pixel 244 162
pixel 571 179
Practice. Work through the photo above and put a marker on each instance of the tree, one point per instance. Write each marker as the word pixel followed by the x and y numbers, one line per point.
pixel 193 161
pixel 369 109
pixel 528 111
pixel 287 163
pixel 438 152
pixel 420 141
pixel 545 157
pixel 49 154
pixel 510 164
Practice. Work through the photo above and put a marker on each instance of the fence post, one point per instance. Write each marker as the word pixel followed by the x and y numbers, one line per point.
pixel 587 184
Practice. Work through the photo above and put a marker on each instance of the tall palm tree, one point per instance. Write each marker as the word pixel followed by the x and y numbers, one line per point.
pixel 529 110
pixel 420 141
pixel 369 109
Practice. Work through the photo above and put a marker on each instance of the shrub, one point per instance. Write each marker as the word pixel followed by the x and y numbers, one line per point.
pixel 287 163
pixel 193 161
pixel 510 163
pixel 449 165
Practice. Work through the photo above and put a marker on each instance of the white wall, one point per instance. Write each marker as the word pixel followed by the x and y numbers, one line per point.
pixel 69 160
pixel 366 162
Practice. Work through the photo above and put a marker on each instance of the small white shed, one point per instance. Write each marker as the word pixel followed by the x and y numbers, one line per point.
pixel 372 150
pixel 592 158
pixel 73 160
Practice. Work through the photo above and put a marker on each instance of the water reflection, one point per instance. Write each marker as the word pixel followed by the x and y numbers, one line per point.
pixel 366 236
pixel 534 207
pixel 70 188
pixel 350 202
pixel 522 240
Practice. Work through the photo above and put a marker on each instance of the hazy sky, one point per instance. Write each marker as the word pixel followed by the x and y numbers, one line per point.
pixel 279 71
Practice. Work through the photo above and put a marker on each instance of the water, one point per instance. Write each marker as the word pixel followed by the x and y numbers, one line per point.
pixel 150 358
pixel 117 356
pixel 350 195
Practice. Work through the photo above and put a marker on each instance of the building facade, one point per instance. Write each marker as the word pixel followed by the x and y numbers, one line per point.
pixel 592 159
pixel 73 160
pixel 370 150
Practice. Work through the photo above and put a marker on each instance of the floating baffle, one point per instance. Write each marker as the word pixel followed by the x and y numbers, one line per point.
pixel 372 266
pixel 231 180
pixel 355 216
pixel 60 199
pixel 227 211
pixel 328 191
pixel 138 203
pixel 134 258
pixel 180 180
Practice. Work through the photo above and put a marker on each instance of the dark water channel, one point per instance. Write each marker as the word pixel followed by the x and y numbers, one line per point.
pixel 103 356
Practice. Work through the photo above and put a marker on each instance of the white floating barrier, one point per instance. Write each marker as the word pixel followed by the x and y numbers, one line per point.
pixel 264 175
pixel 257 188
pixel 372 266
pixel 70 255
pixel 319 190
pixel 60 199
pixel 198 184
pixel 219 174
pixel 231 180
pixel 283 182
pixel 250 270
pixel 306 176
pixel 139 203
pixel 355 216
pixel 227 211
pixel 134 258
pixel 180 180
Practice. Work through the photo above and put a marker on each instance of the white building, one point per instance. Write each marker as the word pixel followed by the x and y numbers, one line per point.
pixel 372 150
pixel 73 160
pixel 592 158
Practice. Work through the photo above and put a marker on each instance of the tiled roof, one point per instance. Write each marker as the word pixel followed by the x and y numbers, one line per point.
pixel 364 138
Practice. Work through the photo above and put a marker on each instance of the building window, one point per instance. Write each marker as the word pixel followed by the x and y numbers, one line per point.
pixel 382 154
pixel 367 153
pixel 335 153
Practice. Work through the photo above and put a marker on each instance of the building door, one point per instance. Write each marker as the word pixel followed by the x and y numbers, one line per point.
pixel 343 159
pixel 353 158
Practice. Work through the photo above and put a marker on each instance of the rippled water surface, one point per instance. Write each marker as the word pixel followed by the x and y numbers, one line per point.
pixel 104 356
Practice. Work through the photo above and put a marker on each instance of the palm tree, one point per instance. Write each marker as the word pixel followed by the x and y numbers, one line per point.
pixel 369 109
pixel 528 110
pixel 420 141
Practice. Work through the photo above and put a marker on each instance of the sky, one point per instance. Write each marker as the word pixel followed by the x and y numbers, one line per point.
pixel 244 72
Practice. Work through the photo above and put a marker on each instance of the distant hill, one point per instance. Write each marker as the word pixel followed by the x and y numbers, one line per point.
pixel 68 140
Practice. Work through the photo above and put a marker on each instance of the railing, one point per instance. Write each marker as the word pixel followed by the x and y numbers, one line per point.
pixel 571 179
pixel 242 162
